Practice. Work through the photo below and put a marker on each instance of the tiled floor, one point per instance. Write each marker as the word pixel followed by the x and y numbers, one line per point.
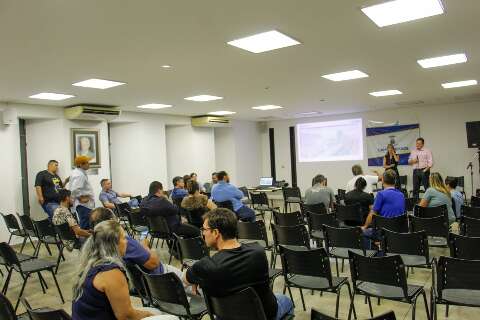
pixel 325 303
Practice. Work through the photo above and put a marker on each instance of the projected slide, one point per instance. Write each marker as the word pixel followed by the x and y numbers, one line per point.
pixel 330 141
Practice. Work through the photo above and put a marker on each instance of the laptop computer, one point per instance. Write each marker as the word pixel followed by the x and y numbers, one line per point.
pixel 265 183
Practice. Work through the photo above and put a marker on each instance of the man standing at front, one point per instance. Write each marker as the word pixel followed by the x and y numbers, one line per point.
pixel 421 160
pixel 82 191
pixel 47 186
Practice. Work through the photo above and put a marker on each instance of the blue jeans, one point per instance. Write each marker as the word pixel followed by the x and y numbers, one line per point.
pixel 49 208
pixel 285 306
pixel 245 213
pixel 83 217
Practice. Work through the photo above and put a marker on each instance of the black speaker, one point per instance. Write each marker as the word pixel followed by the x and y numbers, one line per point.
pixel 473 134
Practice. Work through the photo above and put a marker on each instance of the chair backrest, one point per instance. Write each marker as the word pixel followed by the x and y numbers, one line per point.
pixel 11 222
pixel 341 194
pixel 195 216
pixel 241 305
pixel 244 191
pixel 137 219
pixel 472 212
pixel 316 315
pixel 290 235
pixel 225 204
pixel 259 199
pixel 475 201
pixel 65 232
pixel 349 237
pixel 158 226
pixel 6 309
pixel 27 225
pixel 414 243
pixel 397 224
pixel 460 181
pixel 434 227
pixel 410 204
pixel 469 227
pixel 350 212
pixel 8 254
pixel 454 273
pixel 313 263
pixel 388 270
pixel 44 313
pixel 122 209
pixel 316 221
pixel 135 274
pixel 430 212
pixel 463 247
pixel 318 208
pixel 177 201
pixel 44 228
pixel 288 219
pixel 291 192
pixel 192 248
pixel 253 231
pixel 167 288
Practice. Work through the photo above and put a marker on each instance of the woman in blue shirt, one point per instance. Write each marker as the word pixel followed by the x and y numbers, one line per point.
pixel 437 194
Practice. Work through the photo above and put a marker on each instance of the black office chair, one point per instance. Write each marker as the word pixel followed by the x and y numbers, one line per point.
pixel 310 269
pixel 454 282
pixel 464 247
pixel 246 200
pixel 472 212
pixel 412 248
pixel 135 275
pixel 288 219
pixel 6 309
pixel 475 201
pixel 318 208
pixel 14 229
pixel 397 224
pixel 195 216
pixel 158 228
pixel 430 212
pixel 315 223
pixel 469 227
pixel 191 250
pixel 410 204
pixel 138 224
pixel 47 235
pixel 349 215
pixel 225 204
pixel 437 229
pixel 383 277
pixel 292 236
pixel 260 203
pixel 291 195
pixel 317 315
pixel 45 313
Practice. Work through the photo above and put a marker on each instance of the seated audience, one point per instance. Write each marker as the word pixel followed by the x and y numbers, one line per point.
pixel 100 289
pixel 195 199
pixel 82 191
pixel 370 179
pixel 224 191
pixel 178 191
pixel 62 215
pixel 110 198
pixel 208 186
pixel 194 177
pixel 438 194
pixel 157 204
pixel 389 203
pixel 358 195
pixel 235 266
pixel 457 196
pixel 319 192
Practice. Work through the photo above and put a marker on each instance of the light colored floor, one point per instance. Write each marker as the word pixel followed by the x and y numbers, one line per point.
pixel 325 303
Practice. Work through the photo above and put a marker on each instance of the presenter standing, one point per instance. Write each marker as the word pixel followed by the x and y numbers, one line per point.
pixel 421 160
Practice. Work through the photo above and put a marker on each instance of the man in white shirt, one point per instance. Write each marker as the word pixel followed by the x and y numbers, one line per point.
pixel 370 179
pixel 82 191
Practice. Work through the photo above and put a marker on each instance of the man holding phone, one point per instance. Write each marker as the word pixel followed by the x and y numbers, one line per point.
pixel 421 160
pixel 82 191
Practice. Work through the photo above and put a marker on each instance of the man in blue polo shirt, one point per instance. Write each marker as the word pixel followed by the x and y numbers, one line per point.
pixel 109 198
pixel 178 191
pixel 224 191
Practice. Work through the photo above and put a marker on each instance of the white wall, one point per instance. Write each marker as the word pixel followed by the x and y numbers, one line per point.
pixel 189 150
pixel 225 153
pixel 442 126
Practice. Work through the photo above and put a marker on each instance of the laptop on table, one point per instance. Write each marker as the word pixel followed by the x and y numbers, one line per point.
pixel 265 183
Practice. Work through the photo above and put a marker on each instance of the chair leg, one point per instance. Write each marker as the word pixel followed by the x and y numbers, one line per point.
pixel 336 263
pixel 43 280
pixel 156 245
pixel 352 305
pixel 25 279
pixel 338 302
pixel 290 293
pixel 370 306
pixel 58 287
pixel 10 238
pixel 414 308
pixel 303 301
pixel 48 249
pixel 343 264
pixel 378 301
pixel 446 310
pixel 426 305
pixel 60 255
pixel 23 244
pixel 41 283
pixel 7 281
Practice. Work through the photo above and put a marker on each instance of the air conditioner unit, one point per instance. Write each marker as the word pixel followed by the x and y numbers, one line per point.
pixel 92 112
pixel 210 121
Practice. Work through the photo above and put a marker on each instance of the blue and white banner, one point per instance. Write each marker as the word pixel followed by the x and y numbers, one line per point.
pixel 401 136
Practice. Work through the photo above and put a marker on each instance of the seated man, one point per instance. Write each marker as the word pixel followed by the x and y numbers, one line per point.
pixel 62 215
pixel 457 197
pixel 224 191
pixel 208 186
pixel 178 191
pixel 110 198
pixel 370 179
pixel 235 266
pixel 157 204
pixel 319 192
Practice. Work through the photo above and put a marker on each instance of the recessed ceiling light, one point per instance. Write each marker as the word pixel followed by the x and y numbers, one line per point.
pixel 203 98
pixel 154 106
pixel 51 96
pixel 347 75
pixel 398 11
pixel 267 107
pixel 385 93
pixel 221 113
pixel 459 84
pixel 265 41
pixel 166 66
pixel 98 84
pixel 443 61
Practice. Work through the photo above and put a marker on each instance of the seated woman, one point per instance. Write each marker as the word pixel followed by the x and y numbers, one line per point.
pixel 358 195
pixel 437 194
pixel 100 290
pixel 196 203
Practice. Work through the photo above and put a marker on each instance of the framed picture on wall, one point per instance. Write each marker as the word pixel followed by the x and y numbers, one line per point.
pixel 86 142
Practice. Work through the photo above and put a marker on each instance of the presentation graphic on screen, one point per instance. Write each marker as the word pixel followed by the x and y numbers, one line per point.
pixel 330 141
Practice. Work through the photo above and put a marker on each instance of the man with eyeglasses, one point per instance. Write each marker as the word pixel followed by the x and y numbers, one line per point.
pixel 235 266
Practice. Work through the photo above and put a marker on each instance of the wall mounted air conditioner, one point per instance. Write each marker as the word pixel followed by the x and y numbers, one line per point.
pixel 210 121
pixel 92 112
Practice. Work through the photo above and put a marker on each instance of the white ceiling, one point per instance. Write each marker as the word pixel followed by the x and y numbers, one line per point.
pixel 47 45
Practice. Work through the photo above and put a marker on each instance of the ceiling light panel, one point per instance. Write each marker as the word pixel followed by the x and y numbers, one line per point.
pixel 203 98
pixel 154 106
pixel 443 61
pixel 263 42
pixel 267 107
pixel 221 113
pixel 385 93
pixel 51 96
pixel 346 75
pixel 98 84
pixel 459 84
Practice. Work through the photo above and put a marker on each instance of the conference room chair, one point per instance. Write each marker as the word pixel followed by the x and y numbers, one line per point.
pixel 454 282
pixel 27 269
pixel 349 214
pixel 383 277
pixel 317 315
pixel 246 196
pixel 45 313
pixel 167 294
pixel 291 236
pixel 411 247
pixel 310 269
pixel 315 223
pixel 225 204
pixel 47 236
pixel 121 210
pixel 195 216
pixel 249 232
pixel 22 258
pixel 14 229
pixel 158 229
pixel 190 250
pixel 338 241
pixel 436 228
pixel 464 247
pixel 472 212
pixel 410 204
pixel 261 204
pixel 135 275
pixel 137 222
pixel 6 309
pixel 397 224
pixel 430 212
pixel 66 234
pixel 475 201
pixel 291 195
pixel 232 307
pixel 317 208
pixel 469 227
pixel 288 219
